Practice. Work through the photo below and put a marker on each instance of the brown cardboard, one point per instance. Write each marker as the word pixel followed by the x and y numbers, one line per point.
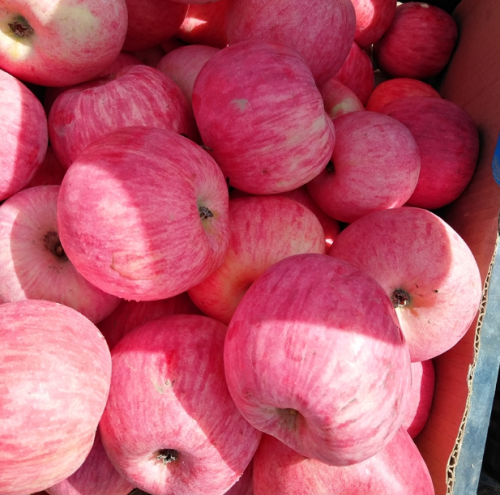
pixel 472 81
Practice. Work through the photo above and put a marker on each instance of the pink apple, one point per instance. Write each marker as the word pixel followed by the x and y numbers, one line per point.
pixel 262 231
pixel 398 469
pixel 130 314
pixel 23 127
pixel 375 165
pixel 321 30
pixel 357 73
pixel 55 371
pixel 418 43
pixel 259 111
pixel 421 395
pixel 183 65
pixel 152 22
pixel 339 99
pixel 244 486
pixel 170 426
pixel 134 96
pixel 96 476
pixel 142 213
pixel 204 24
pixel 399 87
pixel 51 172
pixel 373 18
pixel 448 141
pixel 315 357
pixel 60 42
pixel 33 264
pixel 426 269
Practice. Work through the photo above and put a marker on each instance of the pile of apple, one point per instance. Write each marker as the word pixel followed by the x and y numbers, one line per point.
pixel 223 275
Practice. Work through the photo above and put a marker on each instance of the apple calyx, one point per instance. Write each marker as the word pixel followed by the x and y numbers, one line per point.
pixel 167 455
pixel 53 244
pixel 205 212
pixel 289 417
pixel 400 298
pixel 21 27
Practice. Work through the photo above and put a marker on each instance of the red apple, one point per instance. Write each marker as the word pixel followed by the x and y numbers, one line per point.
pixel 315 357
pixel 263 230
pixel 50 172
pixel 142 213
pixel 151 56
pixel 399 87
pixel 130 314
pixel 373 18
pixel 23 127
pixel 426 269
pixel 418 43
pixel 136 95
pixel 375 165
pixel 60 42
pixel 398 469
pixel 448 141
pixel 259 111
pixel 55 371
pixel 321 30
pixel 33 264
pixel 170 426
pixel 339 99
pixel 244 486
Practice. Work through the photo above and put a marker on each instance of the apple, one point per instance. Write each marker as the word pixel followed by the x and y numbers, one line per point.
pixel 262 231
pixel 131 314
pixel 396 470
pixel 23 127
pixel 55 371
pixel 244 486
pixel 448 141
pixel 136 95
pixel 339 99
pixel 96 476
pixel 33 264
pixel 183 65
pixel 424 266
pixel 170 426
pixel 418 43
pixel 321 30
pixel 375 165
pixel 373 18
pixel 143 213
pixel 50 172
pixel 262 117
pixel 421 395
pixel 315 357
pixel 151 23
pixel 399 87
pixel 60 42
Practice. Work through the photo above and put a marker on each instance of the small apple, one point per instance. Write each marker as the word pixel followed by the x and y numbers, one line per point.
pixel 373 18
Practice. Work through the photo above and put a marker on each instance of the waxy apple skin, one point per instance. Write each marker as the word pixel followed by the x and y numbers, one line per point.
pixel 55 369
pixel 169 398
pixel 143 214
pixel 314 356
pixel 426 269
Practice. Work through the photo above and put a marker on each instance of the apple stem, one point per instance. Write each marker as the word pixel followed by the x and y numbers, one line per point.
pixel 400 298
pixel 167 455
pixel 205 212
pixel 21 27
pixel 53 244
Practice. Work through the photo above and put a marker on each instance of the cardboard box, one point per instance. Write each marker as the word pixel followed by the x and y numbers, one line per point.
pixel 452 442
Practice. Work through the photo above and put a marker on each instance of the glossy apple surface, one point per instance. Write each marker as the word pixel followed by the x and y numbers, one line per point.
pixel 373 18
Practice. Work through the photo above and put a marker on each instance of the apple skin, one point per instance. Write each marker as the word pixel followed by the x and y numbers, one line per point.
pixel 55 369
pixel 131 314
pixel 50 172
pixel 96 476
pixel 426 269
pixel 448 141
pixel 399 87
pixel 263 230
pixel 71 41
pixel 23 127
pixel 420 402
pixel 315 357
pixel 244 486
pixel 184 64
pixel 398 469
pixel 321 30
pixel 373 18
pixel 151 23
pixel 136 95
pixel 143 214
pixel 168 393
pixel 418 43
pixel 375 165
pixel 32 262
pixel 259 111
pixel 339 99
